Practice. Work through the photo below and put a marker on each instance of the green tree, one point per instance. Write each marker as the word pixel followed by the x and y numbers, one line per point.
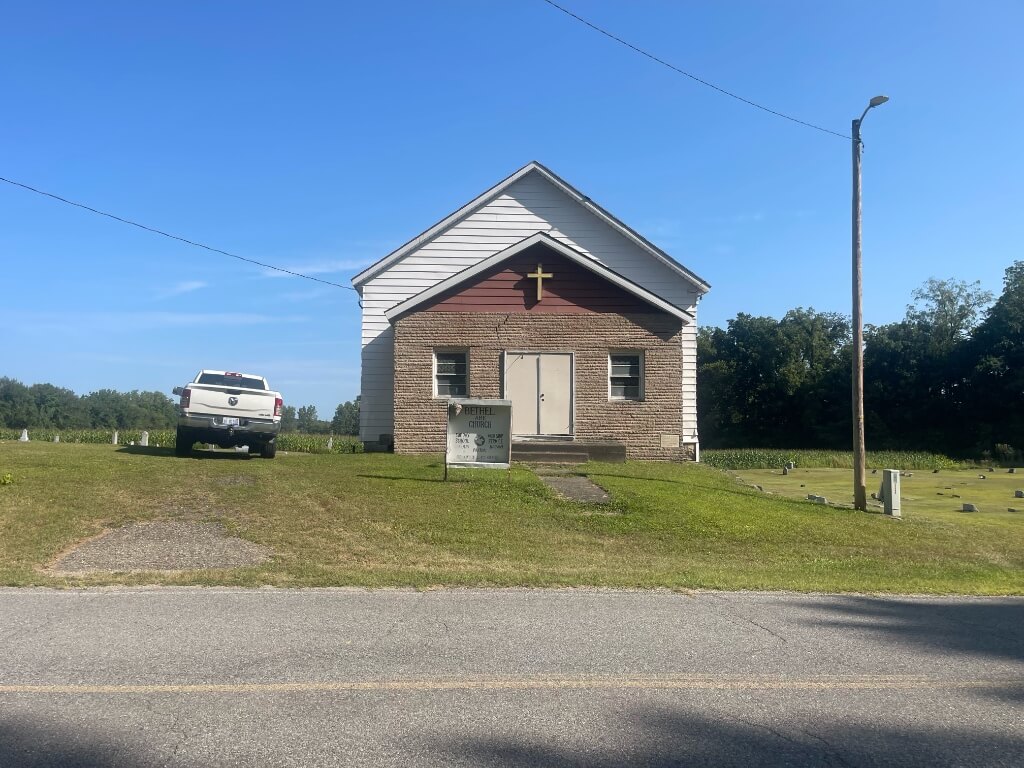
pixel 307 420
pixel 996 378
pixel 346 419
pixel 288 418
pixel 767 382
pixel 57 407
pixel 106 410
pixel 17 408
pixel 916 371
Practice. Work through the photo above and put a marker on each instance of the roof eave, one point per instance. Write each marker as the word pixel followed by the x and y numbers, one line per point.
pixel 375 269
pixel 410 304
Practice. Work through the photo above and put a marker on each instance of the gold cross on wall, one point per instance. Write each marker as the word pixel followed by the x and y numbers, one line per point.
pixel 540 274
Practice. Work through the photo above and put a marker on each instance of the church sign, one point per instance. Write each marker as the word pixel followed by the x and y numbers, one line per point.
pixel 479 434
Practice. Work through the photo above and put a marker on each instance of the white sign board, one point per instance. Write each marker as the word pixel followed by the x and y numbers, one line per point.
pixel 479 433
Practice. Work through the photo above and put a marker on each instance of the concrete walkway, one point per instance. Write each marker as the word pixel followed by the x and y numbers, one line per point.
pixel 574 487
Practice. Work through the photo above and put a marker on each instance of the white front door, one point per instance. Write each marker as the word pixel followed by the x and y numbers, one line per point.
pixel 539 384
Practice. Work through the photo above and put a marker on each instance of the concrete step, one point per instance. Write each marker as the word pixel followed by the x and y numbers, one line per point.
pixel 568 451
pixel 551 457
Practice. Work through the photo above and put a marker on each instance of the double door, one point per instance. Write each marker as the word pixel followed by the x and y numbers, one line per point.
pixel 539 384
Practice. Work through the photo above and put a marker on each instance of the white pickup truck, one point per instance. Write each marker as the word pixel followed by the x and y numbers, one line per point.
pixel 228 409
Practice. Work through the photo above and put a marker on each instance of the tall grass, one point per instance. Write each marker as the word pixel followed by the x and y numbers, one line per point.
pixel 773 458
pixel 294 442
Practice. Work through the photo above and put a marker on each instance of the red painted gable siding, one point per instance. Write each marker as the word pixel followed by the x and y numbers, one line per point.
pixel 572 289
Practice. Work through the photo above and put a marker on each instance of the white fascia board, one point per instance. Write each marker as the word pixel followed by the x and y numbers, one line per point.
pixel 374 269
pixel 561 248
pixel 628 232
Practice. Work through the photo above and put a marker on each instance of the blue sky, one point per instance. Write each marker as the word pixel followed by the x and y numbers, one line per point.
pixel 319 136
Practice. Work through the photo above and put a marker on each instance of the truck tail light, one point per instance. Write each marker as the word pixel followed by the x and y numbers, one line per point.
pixel 186 397
pixel 278 405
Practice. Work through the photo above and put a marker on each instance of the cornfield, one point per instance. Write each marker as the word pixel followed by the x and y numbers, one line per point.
pixel 773 458
pixel 164 438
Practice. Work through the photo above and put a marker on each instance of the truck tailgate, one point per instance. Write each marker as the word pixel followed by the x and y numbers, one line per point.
pixel 242 403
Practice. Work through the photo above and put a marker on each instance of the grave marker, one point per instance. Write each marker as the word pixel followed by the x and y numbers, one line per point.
pixel 890 492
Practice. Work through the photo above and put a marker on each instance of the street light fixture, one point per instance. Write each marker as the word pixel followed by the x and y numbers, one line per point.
pixel 859 461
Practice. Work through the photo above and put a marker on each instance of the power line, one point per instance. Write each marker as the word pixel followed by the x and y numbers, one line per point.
pixel 172 237
pixel 683 72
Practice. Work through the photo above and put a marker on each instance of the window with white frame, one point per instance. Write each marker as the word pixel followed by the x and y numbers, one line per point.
pixel 625 376
pixel 451 374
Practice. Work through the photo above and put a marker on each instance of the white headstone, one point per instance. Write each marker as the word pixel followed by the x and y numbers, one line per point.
pixel 24 436
pixel 891 492
pixel 144 440
pixel 114 441
pixel 330 442
pixel 56 438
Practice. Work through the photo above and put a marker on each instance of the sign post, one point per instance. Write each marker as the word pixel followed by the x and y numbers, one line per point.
pixel 479 434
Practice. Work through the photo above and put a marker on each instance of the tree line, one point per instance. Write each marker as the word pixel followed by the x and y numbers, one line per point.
pixel 45 406
pixel 305 419
pixel 948 377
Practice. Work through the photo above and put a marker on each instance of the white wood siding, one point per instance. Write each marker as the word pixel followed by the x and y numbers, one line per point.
pixel 530 205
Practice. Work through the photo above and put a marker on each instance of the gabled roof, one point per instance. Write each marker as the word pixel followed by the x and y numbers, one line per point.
pixel 427 296
pixel 532 167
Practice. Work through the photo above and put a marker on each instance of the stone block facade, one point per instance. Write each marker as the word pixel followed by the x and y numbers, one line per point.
pixel 643 426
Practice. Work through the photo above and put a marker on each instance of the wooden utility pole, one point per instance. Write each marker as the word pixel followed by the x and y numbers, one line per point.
pixel 860 500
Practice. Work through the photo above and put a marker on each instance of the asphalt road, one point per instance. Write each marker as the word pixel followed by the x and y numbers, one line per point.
pixel 220 677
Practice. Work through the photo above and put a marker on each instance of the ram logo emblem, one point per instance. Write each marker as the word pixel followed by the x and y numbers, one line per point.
pixel 232 401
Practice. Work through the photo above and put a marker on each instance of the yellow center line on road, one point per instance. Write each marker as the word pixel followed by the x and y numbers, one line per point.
pixel 761 683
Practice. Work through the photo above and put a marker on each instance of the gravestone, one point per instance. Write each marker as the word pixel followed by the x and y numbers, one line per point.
pixel 970 507
pixel 24 436
pixel 56 438
pixel 114 441
pixel 144 440
pixel 1011 471
pixel 1018 494
pixel 330 443
pixel 790 465
pixel 890 492
pixel 785 469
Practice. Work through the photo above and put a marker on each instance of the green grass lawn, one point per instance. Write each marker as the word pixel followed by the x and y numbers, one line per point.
pixel 383 520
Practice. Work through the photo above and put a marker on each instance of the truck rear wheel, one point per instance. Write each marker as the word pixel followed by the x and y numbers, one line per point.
pixel 183 441
pixel 269 450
